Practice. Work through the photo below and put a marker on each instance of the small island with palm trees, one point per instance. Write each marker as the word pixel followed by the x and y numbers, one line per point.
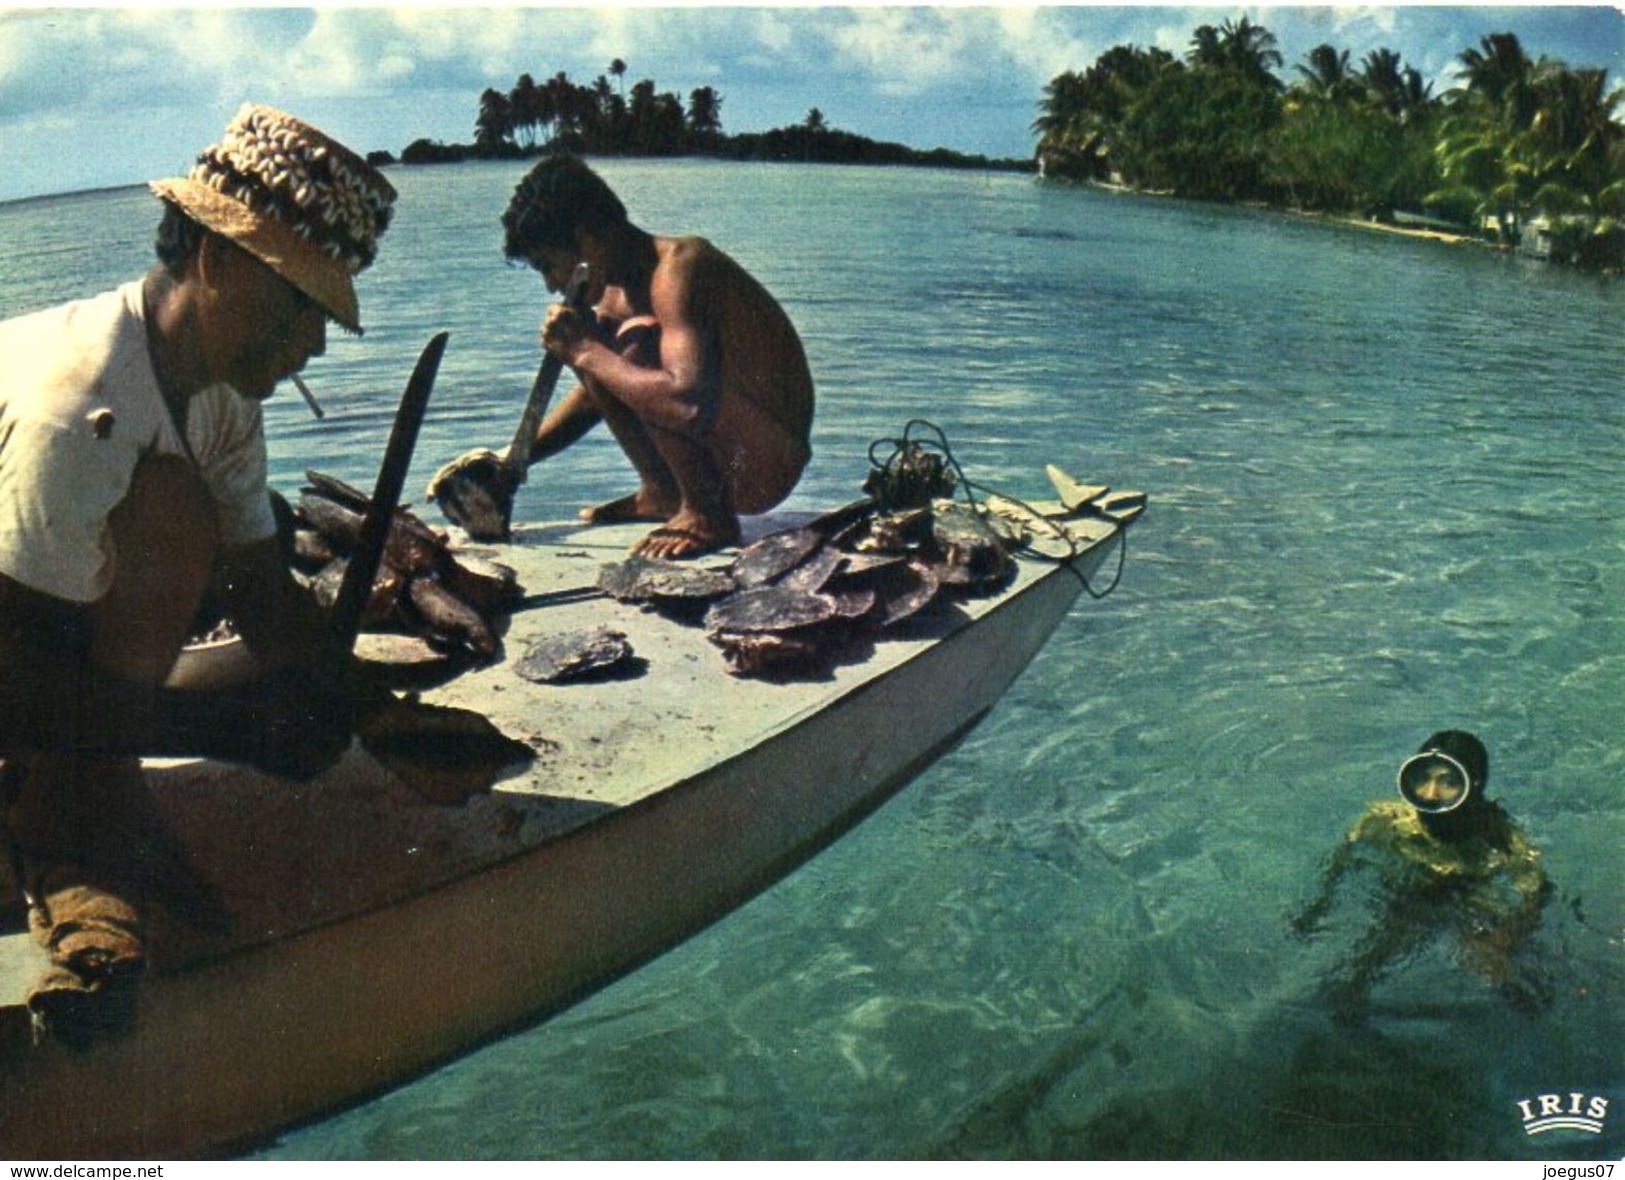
pixel 1525 154
pixel 603 119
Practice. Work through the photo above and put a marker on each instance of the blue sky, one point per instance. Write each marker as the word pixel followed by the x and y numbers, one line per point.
pixel 93 97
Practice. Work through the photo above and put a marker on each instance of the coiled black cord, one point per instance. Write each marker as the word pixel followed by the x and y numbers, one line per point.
pixel 887 475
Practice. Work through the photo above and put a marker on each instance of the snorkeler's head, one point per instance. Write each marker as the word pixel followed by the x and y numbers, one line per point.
pixel 1449 769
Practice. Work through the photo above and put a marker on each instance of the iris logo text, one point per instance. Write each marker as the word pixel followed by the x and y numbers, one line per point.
pixel 1563 1112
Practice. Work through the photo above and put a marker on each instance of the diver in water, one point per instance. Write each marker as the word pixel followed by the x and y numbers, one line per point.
pixel 1445 859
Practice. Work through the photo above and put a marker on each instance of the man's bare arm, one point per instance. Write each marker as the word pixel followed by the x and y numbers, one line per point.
pixel 572 419
pixel 680 393
pixel 280 622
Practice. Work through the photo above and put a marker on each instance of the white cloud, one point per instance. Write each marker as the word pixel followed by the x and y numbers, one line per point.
pixel 905 51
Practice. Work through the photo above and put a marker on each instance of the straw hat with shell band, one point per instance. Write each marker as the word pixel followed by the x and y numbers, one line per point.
pixel 302 203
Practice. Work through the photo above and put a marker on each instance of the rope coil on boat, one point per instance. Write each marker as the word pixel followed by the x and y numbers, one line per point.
pixel 918 470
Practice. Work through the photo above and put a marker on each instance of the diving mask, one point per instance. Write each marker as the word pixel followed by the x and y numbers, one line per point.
pixel 1434 782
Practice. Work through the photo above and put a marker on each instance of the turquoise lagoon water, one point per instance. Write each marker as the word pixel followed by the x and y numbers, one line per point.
pixel 1386 480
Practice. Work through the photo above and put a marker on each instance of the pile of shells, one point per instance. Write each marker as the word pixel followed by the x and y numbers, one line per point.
pixel 456 602
pixel 792 603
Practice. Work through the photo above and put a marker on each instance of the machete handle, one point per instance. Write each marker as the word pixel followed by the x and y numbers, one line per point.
pixel 516 464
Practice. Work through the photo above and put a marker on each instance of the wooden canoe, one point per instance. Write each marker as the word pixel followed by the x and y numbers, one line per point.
pixel 376 936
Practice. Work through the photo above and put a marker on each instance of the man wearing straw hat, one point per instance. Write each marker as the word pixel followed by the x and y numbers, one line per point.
pixel 132 478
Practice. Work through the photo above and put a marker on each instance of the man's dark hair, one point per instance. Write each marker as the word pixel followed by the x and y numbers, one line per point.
pixel 560 196
pixel 178 239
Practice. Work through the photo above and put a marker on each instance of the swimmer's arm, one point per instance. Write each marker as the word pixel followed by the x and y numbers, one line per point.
pixel 1307 921
pixel 1533 886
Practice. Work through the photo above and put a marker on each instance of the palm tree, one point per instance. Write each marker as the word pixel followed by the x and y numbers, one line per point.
pixel 1576 146
pixel 814 121
pixel 524 104
pixel 494 124
pixel 566 102
pixel 704 113
pixel 1500 72
pixel 1071 128
pixel 1081 115
pixel 1485 153
pixel 1239 46
pixel 618 68
pixel 1325 72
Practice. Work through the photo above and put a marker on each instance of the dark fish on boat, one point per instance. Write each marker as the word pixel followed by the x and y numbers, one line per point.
pixel 453 600
pixel 443 618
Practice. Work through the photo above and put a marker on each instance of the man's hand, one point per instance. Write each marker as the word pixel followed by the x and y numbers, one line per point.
pixel 297 723
pixel 293 722
pixel 567 333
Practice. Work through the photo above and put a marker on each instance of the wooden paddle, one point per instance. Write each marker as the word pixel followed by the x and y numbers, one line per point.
pixel 345 618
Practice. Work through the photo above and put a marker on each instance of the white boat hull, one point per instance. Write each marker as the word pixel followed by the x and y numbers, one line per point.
pixel 228 1049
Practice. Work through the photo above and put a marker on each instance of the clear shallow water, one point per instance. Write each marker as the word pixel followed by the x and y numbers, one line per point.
pixel 1386 483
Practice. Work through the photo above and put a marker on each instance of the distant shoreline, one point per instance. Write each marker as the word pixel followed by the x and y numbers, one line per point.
pixel 926 160
pixel 1341 220
pixel 785 145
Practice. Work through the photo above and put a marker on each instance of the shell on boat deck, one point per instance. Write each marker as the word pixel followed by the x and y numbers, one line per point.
pixel 812 573
pixel 774 555
pixel 484 584
pixel 576 655
pixel 897 532
pixel 640 579
pixel 382 599
pixel 761 653
pixel 856 603
pixel 972 553
pixel 443 618
pixel 909 589
pixel 770 608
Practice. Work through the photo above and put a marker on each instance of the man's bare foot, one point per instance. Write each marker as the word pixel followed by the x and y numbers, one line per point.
pixel 686 535
pixel 640 505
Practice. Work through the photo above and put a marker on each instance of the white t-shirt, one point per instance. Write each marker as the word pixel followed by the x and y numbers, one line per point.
pixel 79 408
